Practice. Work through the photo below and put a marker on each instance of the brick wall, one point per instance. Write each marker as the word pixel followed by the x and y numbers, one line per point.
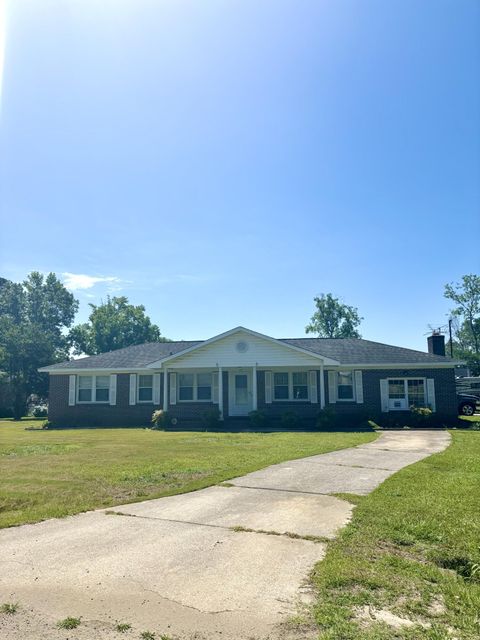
pixel 124 414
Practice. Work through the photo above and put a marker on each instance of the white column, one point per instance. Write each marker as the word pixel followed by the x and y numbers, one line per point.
pixel 322 388
pixel 165 389
pixel 220 392
pixel 254 388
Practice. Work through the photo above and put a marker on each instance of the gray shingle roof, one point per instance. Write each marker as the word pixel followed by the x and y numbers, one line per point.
pixel 138 355
pixel 345 350
pixel 356 351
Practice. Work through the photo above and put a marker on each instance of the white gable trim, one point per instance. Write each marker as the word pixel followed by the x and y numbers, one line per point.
pixel 226 334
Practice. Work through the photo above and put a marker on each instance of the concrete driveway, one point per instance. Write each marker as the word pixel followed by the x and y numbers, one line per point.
pixel 198 565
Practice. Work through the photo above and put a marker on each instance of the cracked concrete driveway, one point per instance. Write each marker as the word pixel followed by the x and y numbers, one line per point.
pixel 185 566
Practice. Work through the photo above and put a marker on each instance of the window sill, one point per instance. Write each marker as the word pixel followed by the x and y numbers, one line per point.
pixel 93 402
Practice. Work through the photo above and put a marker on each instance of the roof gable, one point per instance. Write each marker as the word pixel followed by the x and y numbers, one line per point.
pixel 243 347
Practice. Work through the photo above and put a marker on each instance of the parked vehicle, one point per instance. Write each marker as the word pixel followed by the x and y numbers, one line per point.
pixel 467 404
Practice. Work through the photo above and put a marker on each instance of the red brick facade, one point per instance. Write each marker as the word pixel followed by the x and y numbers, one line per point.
pixel 191 415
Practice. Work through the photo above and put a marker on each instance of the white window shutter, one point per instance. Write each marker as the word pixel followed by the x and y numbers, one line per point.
pixel 173 388
pixel 431 394
pixel 359 387
pixel 384 395
pixel 113 389
pixel 133 389
pixel 268 387
pixel 215 387
pixel 156 388
pixel 313 387
pixel 71 390
pixel 332 386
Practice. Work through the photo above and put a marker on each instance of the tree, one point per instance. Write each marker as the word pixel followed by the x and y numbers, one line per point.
pixel 33 318
pixel 332 319
pixel 466 319
pixel 112 325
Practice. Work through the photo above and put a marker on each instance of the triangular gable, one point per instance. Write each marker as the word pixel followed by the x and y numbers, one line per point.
pixel 243 347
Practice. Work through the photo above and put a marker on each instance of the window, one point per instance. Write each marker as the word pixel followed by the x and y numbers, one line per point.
pixel 280 386
pixel 102 388
pixel 195 387
pixel 345 385
pixel 204 386
pixel 185 386
pixel 145 388
pixel 85 388
pixel 300 385
pixel 93 389
pixel 406 392
pixel 290 385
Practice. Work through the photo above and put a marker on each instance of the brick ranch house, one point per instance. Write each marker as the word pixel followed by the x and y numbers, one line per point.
pixel 242 371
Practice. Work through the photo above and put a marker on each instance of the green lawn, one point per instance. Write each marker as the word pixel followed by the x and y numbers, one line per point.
pixel 412 548
pixel 45 474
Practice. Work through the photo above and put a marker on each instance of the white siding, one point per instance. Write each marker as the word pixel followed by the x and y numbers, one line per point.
pixel 260 352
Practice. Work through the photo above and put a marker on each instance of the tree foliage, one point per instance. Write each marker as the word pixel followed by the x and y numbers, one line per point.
pixel 114 324
pixel 33 318
pixel 333 319
pixel 466 319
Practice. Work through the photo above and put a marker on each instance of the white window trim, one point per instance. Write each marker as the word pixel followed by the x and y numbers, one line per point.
pixel 195 387
pixel 405 385
pixel 94 389
pixel 290 387
pixel 352 373
pixel 138 389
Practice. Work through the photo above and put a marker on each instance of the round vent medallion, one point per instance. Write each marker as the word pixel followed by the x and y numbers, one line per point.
pixel 242 346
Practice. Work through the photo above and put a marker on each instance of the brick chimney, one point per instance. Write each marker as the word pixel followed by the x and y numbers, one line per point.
pixel 436 344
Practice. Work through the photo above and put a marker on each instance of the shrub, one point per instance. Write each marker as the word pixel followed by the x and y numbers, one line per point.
pixel 420 416
pixel 40 411
pixel 160 419
pixel 326 418
pixel 211 418
pixel 259 419
pixel 289 419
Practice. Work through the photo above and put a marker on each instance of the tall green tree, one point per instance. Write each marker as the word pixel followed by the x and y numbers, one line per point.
pixel 112 325
pixel 333 319
pixel 34 317
pixel 466 319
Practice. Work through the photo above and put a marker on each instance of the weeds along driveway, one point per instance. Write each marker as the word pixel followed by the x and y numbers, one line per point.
pixel 229 561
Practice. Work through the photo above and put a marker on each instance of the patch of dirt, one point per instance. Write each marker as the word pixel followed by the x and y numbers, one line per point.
pixel 367 615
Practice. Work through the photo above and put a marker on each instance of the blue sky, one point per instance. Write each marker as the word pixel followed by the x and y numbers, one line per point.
pixel 223 162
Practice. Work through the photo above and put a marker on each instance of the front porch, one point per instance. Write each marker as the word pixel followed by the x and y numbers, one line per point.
pixel 237 391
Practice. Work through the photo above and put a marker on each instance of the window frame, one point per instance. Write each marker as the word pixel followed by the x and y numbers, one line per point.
pixel 337 384
pixel 195 397
pixel 405 386
pixel 138 389
pixel 290 386
pixel 93 389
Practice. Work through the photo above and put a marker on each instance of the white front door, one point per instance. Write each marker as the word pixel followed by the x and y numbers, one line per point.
pixel 240 397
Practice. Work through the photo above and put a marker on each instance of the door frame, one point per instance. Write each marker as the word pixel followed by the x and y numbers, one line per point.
pixel 233 409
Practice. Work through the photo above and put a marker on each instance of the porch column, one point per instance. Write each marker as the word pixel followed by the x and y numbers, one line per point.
pixel 165 389
pixel 322 388
pixel 254 388
pixel 220 392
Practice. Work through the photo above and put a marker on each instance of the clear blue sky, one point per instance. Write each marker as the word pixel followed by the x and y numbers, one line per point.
pixel 222 162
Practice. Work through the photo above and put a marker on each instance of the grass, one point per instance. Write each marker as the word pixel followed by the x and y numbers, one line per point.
pixel 413 549
pixel 68 623
pixel 9 607
pixel 45 474
pixel 123 627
